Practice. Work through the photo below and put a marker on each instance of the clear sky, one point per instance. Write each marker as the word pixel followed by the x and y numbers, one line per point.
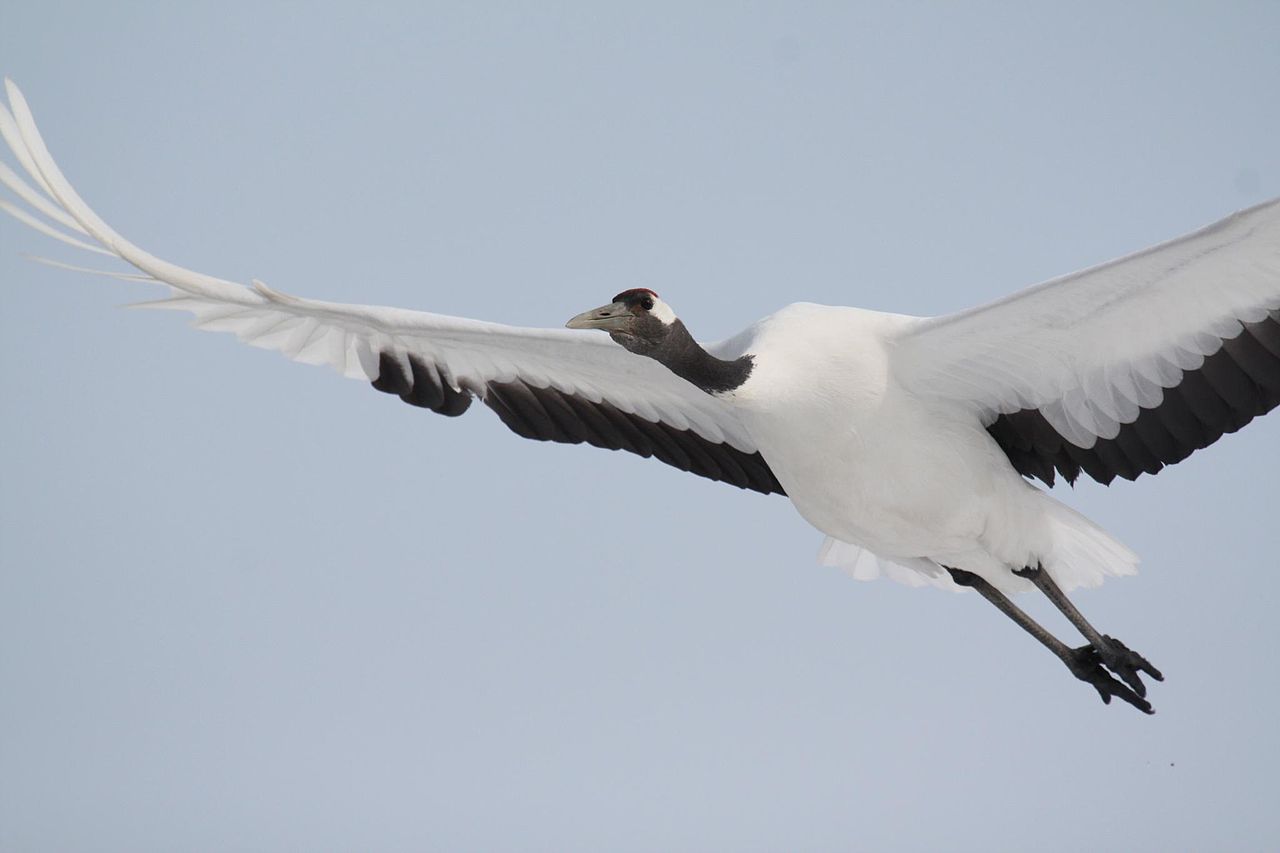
pixel 249 605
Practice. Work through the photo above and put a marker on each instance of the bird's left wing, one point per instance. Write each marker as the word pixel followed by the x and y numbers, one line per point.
pixel 546 384
pixel 1120 369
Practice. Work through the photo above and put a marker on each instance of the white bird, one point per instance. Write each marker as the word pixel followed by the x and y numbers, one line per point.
pixel 908 441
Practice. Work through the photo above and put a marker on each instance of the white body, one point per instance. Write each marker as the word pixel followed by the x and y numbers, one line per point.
pixel 905 484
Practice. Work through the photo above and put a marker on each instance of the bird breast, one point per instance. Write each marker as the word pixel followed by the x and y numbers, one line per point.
pixel 861 459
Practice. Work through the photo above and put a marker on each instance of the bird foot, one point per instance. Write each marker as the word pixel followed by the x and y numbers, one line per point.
pixel 1126 663
pixel 1086 664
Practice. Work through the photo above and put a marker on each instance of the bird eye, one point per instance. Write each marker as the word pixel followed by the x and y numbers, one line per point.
pixel 646 303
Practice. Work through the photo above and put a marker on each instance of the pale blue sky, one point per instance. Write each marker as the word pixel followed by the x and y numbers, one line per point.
pixel 249 605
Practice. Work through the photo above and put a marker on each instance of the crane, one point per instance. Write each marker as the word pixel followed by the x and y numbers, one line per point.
pixel 910 442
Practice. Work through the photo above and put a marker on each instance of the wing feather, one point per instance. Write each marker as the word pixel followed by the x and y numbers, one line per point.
pixel 551 384
pixel 1129 366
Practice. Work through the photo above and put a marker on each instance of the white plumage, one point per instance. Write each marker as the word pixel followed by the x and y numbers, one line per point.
pixel 902 482
pixel 1092 348
pixel 907 441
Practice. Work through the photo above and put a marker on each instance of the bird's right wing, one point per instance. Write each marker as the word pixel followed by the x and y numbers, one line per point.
pixel 546 384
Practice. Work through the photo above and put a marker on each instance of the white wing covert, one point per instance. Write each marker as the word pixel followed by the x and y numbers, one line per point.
pixel 546 384
pixel 1123 368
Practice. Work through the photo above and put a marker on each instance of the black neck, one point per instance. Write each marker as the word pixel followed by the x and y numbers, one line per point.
pixel 682 355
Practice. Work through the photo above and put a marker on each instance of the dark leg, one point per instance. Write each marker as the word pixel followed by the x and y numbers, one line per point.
pixel 1084 662
pixel 1115 655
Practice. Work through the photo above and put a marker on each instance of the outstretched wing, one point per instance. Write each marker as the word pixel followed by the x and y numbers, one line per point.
pixel 1124 368
pixel 547 384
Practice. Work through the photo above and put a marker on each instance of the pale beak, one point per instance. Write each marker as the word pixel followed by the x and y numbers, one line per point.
pixel 612 318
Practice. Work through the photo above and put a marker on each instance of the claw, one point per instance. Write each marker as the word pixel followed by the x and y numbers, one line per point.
pixel 1086 664
pixel 1126 663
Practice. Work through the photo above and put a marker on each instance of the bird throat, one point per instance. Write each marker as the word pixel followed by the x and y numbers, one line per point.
pixel 682 355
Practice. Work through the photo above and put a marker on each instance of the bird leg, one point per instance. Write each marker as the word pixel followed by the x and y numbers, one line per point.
pixel 1085 662
pixel 1115 655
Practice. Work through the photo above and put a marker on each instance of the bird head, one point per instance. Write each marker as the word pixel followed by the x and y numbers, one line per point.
pixel 637 319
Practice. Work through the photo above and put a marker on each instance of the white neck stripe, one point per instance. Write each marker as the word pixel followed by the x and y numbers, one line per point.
pixel 663 312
